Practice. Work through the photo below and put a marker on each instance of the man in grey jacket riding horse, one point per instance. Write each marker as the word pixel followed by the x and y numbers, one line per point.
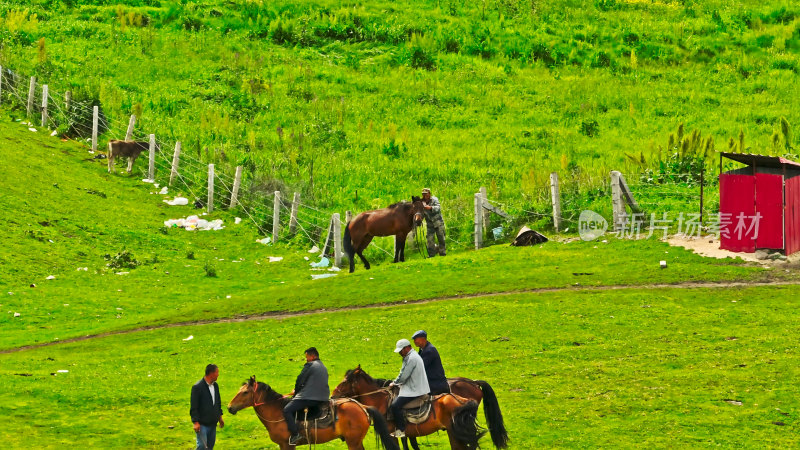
pixel 412 381
pixel 310 390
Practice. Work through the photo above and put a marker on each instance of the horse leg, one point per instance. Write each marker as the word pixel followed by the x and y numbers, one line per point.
pixel 364 260
pixel 405 443
pixel 397 248
pixel 403 248
pixel 455 444
pixel 414 444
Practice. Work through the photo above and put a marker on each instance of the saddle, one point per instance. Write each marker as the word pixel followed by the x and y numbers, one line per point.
pixel 318 417
pixel 416 411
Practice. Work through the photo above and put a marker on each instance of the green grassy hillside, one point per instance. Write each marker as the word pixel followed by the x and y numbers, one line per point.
pixel 357 105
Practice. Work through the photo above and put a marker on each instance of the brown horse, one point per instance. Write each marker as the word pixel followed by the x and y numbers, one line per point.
pixel 351 425
pixel 396 220
pixel 452 413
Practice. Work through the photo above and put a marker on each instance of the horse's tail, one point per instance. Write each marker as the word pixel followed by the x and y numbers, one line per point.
pixel 348 243
pixel 494 418
pixel 382 429
pixel 465 425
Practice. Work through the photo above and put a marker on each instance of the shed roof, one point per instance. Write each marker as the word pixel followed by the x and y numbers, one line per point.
pixel 760 160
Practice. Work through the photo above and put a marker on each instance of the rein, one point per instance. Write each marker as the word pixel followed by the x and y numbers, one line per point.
pixel 255 391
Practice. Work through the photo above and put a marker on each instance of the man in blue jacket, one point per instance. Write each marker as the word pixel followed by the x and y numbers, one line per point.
pixel 433 364
pixel 310 390
pixel 206 408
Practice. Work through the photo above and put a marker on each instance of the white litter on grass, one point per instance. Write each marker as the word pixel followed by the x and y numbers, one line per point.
pixel 85 269
pixel 237 220
pixel 306 258
pixel 54 133
pixel 314 249
pixel 194 223
pixel 62 371
pixel 148 180
pixel 264 241
pixel 275 258
pixel 177 201
pixel 189 338
pixel 66 304
pixel 16 314
pixel 163 191
pixel 323 275
pixel 324 262
pixel 227 296
pixel 51 277
pixel 122 273
pixel 334 269
pixel 32 129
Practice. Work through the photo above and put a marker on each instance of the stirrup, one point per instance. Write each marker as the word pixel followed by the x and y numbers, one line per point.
pixel 295 438
pixel 399 434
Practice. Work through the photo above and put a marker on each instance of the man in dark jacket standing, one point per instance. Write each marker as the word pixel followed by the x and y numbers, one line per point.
pixel 433 364
pixel 310 390
pixel 206 408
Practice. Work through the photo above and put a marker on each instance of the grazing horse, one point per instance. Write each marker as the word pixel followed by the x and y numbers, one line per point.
pixel 395 220
pixel 452 413
pixel 351 425
pixel 128 149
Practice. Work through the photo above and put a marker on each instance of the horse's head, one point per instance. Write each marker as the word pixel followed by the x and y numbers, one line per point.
pixel 246 396
pixel 350 385
pixel 419 209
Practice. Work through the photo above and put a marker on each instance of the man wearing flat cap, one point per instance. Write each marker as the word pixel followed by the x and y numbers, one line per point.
pixel 435 223
pixel 433 364
pixel 412 381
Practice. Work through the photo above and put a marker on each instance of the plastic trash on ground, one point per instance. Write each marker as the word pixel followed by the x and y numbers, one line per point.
pixel 189 338
pixel 163 191
pixel 177 201
pixel 264 241
pixel 314 249
pixel 324 262
pixel 275 258
pixel 334 269
pixel 323 275
pixel 195 223
pixel 148 180
pixel 237 220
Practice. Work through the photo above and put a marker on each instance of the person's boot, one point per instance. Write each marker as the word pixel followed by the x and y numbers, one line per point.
pixel 295 438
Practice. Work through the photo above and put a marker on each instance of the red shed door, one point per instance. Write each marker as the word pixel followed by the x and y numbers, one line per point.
pixel 769 205
pixel 736 198
pixel 792 212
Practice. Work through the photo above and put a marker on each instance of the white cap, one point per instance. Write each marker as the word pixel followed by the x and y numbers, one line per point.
pixel 401 344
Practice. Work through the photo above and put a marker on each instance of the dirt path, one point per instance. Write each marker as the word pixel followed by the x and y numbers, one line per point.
pixel 287 315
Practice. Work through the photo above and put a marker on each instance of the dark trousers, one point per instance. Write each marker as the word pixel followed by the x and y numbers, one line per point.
pixel 437 389
pixel 397 411
pixel 294 406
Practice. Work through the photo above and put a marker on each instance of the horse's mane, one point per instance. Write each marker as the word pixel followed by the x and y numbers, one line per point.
pixel 381 382
pixel 403 203
pixel 271 396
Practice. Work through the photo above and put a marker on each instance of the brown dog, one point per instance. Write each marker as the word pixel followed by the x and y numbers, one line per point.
pixel 128 149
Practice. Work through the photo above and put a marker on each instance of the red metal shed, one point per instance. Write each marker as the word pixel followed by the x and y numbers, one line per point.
pixel 759 204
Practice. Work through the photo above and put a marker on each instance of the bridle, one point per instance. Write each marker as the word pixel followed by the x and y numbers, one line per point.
pixel 255 391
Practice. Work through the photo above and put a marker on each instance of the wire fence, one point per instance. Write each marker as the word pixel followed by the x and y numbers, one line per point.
pixel 309 223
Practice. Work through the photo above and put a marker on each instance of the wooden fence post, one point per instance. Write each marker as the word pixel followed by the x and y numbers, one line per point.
pixel 45 94
pixel 31 92
pixel 337 240
pixel 276 217
pixel 487 215
pixel 478 221
pixel 210 188
pixel 175 159
pixel 1 85
pixel 131 123
pixel 67 102
pixel 293 217
pixel 151 167
pixel 617 203
pixel 555 194
pixel 348 216
pixel 95 116
pixel 237 181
